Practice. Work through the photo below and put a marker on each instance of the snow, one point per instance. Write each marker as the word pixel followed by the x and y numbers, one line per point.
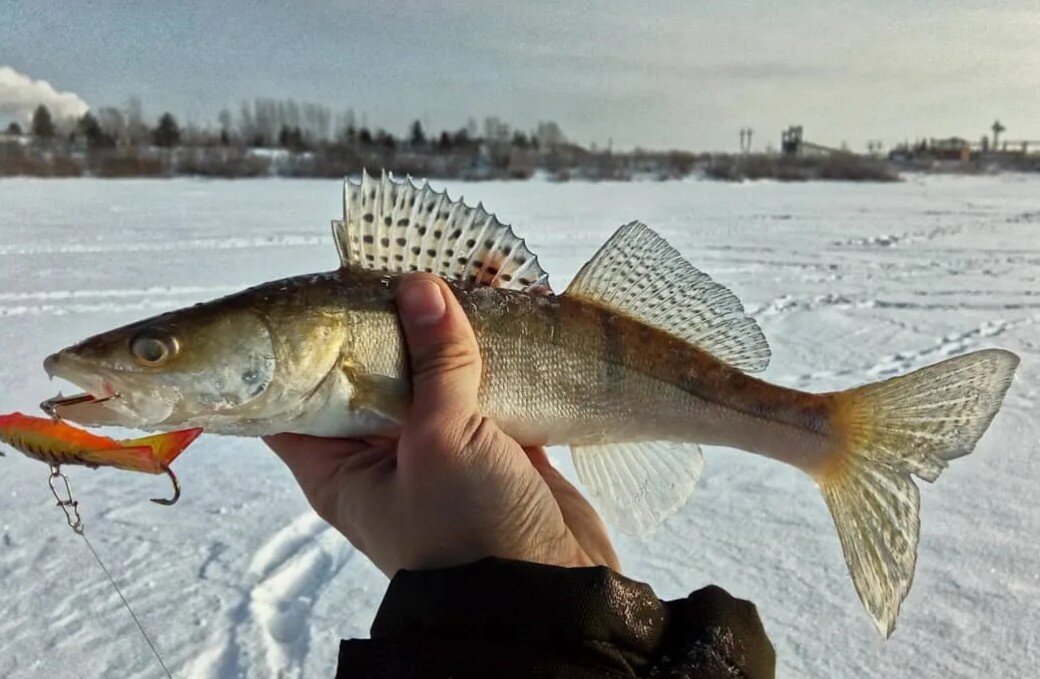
pixel 851 283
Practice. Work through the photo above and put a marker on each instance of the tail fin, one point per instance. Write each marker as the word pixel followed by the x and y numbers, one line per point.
pixel 890 430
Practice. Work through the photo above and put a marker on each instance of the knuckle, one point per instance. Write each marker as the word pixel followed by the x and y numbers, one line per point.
pixel 478 431
pixel 445 357
pixel 461 433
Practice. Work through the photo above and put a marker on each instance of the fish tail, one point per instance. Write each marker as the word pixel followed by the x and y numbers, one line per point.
pixel 886 433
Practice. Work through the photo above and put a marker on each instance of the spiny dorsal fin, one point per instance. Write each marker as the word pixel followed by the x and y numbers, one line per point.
pixel 396 226
pixel 638 273
pixel 639 485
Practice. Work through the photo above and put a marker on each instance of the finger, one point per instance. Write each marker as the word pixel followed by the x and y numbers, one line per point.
pixel 443 351
pixel 313 458
pixel 580 516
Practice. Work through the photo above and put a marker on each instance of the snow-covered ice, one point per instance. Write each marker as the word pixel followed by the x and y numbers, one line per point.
pixel 851 283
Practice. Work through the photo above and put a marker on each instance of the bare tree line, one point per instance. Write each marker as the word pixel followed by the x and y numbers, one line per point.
pixel 267 122
pixel 268 136
pixel 283 137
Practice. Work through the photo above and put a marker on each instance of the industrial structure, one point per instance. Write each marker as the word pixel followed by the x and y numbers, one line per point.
pixel 793 143
pixel 1021 154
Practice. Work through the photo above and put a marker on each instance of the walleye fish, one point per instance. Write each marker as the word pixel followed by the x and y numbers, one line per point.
pixel 643 358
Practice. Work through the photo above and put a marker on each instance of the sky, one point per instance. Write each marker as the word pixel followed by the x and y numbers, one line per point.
pixel 659 74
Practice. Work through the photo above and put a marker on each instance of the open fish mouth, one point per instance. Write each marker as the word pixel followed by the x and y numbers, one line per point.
pixel 60 406
pixel 98 404
pixel 90 409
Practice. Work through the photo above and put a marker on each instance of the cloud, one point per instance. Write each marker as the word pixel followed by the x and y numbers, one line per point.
pixel 20 95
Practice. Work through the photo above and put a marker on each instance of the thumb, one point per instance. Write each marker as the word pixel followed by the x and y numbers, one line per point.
pixel 445 358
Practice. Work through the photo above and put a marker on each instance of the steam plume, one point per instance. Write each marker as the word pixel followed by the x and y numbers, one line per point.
pixel 20 95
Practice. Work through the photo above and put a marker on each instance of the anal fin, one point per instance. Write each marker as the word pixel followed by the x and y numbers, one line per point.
pixel 638 485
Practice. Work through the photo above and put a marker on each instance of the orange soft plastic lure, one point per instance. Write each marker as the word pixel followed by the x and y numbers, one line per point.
pixel 58 443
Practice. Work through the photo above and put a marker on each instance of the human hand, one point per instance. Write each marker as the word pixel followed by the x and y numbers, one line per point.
pixel 453 488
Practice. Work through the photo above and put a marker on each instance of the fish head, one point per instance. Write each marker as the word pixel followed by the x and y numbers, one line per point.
pixel 172 370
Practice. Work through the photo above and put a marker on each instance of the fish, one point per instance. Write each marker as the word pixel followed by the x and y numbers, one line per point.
pixel 58 443
pixel 637 364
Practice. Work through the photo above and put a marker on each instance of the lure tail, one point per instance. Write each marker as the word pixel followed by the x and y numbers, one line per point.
pixel 889 431
pixel 166 447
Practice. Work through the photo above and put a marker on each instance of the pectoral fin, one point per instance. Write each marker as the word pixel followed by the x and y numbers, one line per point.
pixel 387 397
pixel 638 485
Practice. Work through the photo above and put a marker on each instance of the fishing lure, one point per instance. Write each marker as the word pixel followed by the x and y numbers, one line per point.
pixel 57 443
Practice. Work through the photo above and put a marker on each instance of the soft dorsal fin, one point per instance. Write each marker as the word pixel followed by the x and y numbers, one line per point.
pixel 396 226
pixel 638 273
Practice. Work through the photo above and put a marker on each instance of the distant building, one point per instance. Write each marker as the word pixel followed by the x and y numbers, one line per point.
pixel 793 143
pixel 950 148
pixel 8 137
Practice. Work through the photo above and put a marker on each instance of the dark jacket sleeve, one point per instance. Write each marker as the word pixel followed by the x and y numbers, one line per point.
pixel 498 618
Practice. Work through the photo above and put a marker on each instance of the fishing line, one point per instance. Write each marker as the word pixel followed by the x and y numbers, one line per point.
pixel 126 605
pixel 71 509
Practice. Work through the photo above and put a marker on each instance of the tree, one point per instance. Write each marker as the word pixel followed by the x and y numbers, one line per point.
pixel 549 135
pixel 136 129
pixel 113 123
pixel 167 133
pixel 495 131
pixel 462 137
pixel 225 126
pixel 14 129
pixel 316 122
pixel 291 138
pixel 417 136
pixel 346 123
pixel 91 130
pixel 42 123
pixel 364 137
pixel 247 126
pixel 386 140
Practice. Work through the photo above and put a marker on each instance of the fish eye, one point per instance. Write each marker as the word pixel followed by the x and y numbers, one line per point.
pixel 151 349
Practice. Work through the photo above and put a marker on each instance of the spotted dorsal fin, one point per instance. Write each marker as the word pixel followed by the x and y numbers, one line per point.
pixel 639 274
pixel 396 226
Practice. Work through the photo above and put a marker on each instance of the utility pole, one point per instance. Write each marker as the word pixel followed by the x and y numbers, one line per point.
pixel 997 129
pixel 745 140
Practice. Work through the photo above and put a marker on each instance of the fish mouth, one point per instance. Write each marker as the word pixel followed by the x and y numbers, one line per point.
pixel 58 406
pixel 98 405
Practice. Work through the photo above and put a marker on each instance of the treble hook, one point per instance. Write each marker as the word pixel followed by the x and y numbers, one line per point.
pixel 176 489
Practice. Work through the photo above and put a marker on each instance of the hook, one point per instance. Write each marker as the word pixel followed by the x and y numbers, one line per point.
pixel 50 406
pixel 176 489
